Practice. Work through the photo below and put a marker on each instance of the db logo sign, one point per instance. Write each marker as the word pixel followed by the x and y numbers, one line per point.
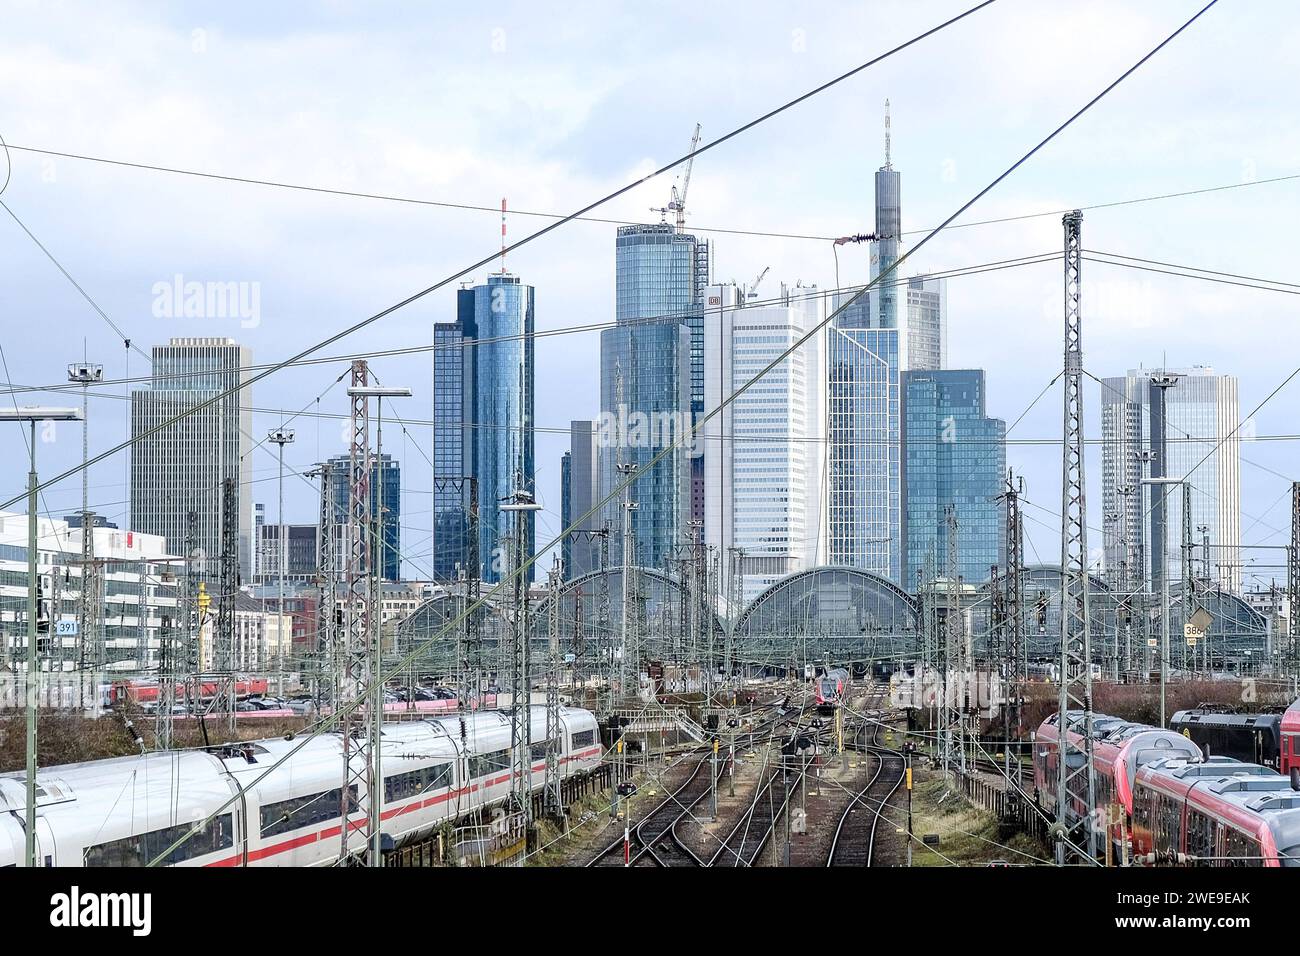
pixel 715 300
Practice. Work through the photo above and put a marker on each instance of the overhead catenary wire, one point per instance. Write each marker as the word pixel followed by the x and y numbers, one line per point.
pixel 526 565
pixel 689 312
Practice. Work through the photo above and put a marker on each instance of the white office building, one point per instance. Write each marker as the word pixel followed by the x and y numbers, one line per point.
pixel 135 586
pixel 765 451
pixel 1200 444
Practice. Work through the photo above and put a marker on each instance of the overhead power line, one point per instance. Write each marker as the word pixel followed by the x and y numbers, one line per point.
pixel 525 566
pixel 495 208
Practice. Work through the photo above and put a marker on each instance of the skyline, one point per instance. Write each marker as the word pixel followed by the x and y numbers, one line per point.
pixel 1145 309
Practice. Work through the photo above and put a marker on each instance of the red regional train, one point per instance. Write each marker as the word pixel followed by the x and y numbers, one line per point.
pixel 1160 800
pixel 1290 756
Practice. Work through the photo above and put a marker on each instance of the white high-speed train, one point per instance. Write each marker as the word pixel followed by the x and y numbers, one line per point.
pixel 127 810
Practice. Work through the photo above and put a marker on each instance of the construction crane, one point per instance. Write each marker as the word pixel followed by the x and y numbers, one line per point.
pixel 677 203
pixel 753 286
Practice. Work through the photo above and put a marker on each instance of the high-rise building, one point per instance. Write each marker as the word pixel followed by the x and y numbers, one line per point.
pixel 483 421
pixel 579 477
pixel 452 458
pixel 927 323
pixel 866 348
pixel 300 548
pixel 650 373
pixel 763 451
pixel 181 468
pixel 389 561
pixel 1199 433
pixel 952 456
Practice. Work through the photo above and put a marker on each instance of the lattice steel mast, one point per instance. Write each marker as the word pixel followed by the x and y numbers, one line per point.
pixel 1075 774
pixel 552 800
pixel 1291 656
pixel 358 767
pixel 224 639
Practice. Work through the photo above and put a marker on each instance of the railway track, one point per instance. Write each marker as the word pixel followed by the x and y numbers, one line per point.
pixel 654 840
pixel 854 843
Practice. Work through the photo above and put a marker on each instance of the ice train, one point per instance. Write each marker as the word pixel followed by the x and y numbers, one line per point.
pixel 126 811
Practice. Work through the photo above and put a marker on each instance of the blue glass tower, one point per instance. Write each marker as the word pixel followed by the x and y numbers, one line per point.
pixel 952 455
pixel 649 366
pixel 390 561
pixel 483 420
pixel 864 346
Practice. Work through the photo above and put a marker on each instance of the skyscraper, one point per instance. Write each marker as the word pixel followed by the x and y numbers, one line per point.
pixel 451 457
pixel 390 562
pixel 578 479
pixel 647 369
pixel 927 323
pixel 1201 409
pixel 181 468
pixel 866 348
pixel 952 455
pixel 764 450
pixel 483 419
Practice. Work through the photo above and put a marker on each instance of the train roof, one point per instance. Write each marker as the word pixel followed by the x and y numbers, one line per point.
pixel 1206 718
pixel 1242 791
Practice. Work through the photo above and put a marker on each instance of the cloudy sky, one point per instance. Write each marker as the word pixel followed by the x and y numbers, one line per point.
pixel 552 106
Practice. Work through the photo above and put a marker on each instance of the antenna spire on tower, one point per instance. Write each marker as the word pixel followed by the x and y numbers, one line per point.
pixel 886 134
pixel 503 235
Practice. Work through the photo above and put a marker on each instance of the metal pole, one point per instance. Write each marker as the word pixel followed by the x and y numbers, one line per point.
pixel 31 655
pixel 1164 611
pixel 375 798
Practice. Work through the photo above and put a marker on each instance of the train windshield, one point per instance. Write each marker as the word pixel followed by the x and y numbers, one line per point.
pixel 1290 856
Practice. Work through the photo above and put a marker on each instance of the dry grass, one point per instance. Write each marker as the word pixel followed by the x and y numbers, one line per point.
pixel 70 739
pixel 968 835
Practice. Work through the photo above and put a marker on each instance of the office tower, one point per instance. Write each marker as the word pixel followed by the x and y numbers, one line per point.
pixel 763 465
pixel 649 363
pixel 952 455
pixel 259 521
pixel 1201 410
pixel 301 550
pixel 389 556
pixel 865 350
pixel 579 477
pixel 181 467
pixel 483 421
pixel 927 323
pixel 451 456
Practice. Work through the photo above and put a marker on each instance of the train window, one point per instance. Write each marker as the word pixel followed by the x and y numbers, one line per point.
pixel 414 783
pixel 537 751
pixel 142 848
pixel 1241 850
pixel 1201 837
pixel 480 765
pixel 1170 823
pixel 584 739
pixel 298 812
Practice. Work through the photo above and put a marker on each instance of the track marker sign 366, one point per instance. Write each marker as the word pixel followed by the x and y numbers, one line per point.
pixel 77 909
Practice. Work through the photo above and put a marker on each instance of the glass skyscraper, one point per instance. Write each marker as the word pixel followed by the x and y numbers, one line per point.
pixel 952 455
pixel 865 350
pixel 483 420
pixel 578 483
pixel 649 366
pixel 390 561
